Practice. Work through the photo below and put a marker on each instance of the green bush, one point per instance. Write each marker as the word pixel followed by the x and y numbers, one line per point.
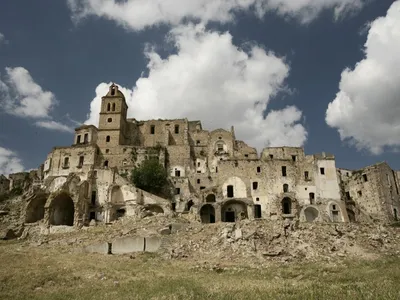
pixel 151 177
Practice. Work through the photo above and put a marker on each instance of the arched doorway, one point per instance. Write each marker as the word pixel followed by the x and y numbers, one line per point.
pixel 35 210
pixel 286 206
pixel 207 214
pixel 210 198
pixel 62 212
pixel 311 214
pixel 233 210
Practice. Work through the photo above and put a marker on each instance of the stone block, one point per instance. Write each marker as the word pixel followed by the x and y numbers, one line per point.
pixel 153 243
pixel 102 248
pixel 128 245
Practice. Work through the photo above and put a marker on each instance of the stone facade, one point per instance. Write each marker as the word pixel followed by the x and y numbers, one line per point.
pixel 371 193
pixel 215 177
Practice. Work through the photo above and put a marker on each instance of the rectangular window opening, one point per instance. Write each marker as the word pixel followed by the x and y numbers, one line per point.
pixel 176 129
pixel 198 181
pixel 177 191
pixel 306 175
pixel 284 171
pixel 255 185
pixel 86 138
pixel 81 158
pixel 322 171
pixel 152 129
pixel 78 139
pixel 177 173
pixel 258 169
pixel 365 178
pixel 229 191
pixel 294 158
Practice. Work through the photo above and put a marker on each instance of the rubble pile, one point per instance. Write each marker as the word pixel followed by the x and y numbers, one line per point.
pixel 244 241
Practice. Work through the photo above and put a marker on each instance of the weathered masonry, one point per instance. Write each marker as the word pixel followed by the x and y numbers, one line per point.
pixel 216 177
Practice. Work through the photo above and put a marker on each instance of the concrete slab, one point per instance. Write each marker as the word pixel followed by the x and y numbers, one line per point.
pixel 153 243
pixel 128 245
pixel 97 248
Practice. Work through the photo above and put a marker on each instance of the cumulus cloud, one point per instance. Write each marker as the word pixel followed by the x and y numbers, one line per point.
pixel 9 162
pixel 212 80
pixel 366 109
pixel 139 14
pixel 22 96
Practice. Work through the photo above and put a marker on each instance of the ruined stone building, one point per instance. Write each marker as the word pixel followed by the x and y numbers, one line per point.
pixel 215 176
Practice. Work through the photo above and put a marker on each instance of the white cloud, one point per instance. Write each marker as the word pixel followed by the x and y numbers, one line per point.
pixel 212 80
pixel 53 125
pixel 22 96
pixel 366 110
pixel 9 162
pixel 27 98
pixel 139 14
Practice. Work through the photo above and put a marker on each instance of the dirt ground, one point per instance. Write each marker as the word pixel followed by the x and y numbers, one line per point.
pixel 245 260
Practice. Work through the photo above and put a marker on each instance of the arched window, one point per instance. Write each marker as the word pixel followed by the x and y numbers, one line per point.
pixel 113 107
pixel 285 188
pixel 108 107
pixel 107 138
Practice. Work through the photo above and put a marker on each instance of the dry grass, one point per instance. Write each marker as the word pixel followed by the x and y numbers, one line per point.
pixel 45 273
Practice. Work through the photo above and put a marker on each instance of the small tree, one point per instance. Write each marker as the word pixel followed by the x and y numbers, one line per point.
pixel 151 177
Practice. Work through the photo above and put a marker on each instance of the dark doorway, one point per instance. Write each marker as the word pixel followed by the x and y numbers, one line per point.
pixel 207 214
pixel 62 211
pixel 257 211
pixel 351 215
pixel 229 191
pixel 92 216
pixel 286 206
pixel 230 216
pixel 189 205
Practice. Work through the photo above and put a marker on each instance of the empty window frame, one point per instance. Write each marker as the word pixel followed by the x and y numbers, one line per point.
pixel 255 185
pixel 284 171
pixel 152 129
pixel 229 191
pixel 322 171
pixel 176 129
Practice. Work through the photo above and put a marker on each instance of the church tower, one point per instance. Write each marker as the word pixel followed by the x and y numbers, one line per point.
pixel 112 121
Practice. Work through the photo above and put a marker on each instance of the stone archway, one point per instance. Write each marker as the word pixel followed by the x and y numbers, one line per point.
pixel 35 209
pixel 233 210
pixel 207 214
pixel 62 210
pixel 311 213
pixel 210 198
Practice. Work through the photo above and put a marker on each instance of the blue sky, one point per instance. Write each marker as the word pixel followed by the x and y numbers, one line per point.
pixel 318 74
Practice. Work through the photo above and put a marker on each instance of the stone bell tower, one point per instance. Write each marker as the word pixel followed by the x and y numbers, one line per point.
pixel 112 121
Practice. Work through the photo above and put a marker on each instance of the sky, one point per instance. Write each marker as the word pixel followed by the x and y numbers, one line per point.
pixel 318 74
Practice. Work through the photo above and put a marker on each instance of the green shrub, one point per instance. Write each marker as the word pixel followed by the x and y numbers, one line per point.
pixel 151 177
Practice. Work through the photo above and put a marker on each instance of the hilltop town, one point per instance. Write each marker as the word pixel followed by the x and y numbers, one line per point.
pixel 214 178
